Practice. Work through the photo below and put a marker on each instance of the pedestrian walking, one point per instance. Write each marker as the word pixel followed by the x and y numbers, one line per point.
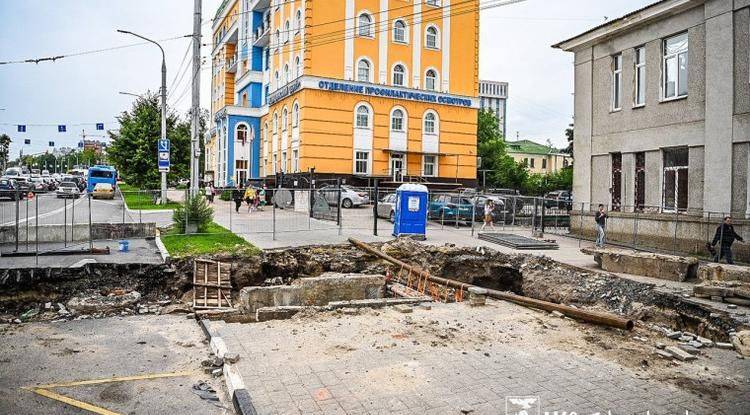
pixel 210 192
pixel 262 196
pixel 237 195
pixel 250 198
pixel 601 225
pixel 726 234
pixel 489 207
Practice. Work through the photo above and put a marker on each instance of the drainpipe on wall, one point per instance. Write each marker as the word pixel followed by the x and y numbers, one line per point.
pixel 747 180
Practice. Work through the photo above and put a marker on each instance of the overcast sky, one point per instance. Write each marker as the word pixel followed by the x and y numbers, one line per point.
pixel 514 47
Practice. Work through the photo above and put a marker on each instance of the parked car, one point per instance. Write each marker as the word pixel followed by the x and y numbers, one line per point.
pixel 68 189
pixel 37 185
pixel 23 184
pixel 561 199
pixel 103 191
pixel 350 197
pixel 387 207
pixel 9 189
pixel 512 197
pixel 450 207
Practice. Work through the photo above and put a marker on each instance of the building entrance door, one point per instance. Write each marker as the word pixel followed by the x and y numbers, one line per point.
pixel 397 167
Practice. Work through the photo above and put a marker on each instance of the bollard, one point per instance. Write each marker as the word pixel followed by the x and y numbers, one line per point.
pixel 18 213
pixel 473 213
pixel 91 239
pixel 36 229
pixel 375 210
pixel 65 222
pixel 273 203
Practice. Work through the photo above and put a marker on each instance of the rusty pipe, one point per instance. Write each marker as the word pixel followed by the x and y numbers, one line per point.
pixel 596 317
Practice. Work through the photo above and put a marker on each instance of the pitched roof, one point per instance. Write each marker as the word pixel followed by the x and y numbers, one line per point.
pixel 530 147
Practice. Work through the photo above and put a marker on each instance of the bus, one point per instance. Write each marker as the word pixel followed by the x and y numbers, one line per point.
pixel 101 174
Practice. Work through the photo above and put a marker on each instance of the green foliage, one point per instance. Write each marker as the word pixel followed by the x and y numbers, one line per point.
pixel 4 149
pixel 195 211
pixel 216 239
pixel 133 149
pixel 569 135
pixel 226 195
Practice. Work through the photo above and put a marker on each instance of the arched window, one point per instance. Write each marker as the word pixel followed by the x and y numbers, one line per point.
pixel 241 134
pixel 265 132
pixel 284 119
pixel 295 115
pixel 363 70
pixel 297 67
pixel 399 73
pixel 399 31
pixel 430 80
pixel 430 123
pixel 431 37
pixel 277 36
pixel 286 74
pixel 365 25
pixel 275 122
pixel 397 120
pixel 276 79
pixel 299 20
pixel 363 116
pixel 286 31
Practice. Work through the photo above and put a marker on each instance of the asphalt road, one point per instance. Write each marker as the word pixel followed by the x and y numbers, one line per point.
pixel 145 347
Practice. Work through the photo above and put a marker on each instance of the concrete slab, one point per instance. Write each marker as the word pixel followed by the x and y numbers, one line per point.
pixel 141 251
pixel 667 267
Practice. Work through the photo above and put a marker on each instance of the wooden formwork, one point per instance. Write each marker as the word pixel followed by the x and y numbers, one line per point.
pixel 212 288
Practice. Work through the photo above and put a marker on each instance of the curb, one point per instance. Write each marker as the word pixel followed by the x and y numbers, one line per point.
pixel 241 400
pixel 163 251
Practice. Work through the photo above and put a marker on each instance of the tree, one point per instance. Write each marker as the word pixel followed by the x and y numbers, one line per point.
pixel 569 135
pixel 504 171
pixel 4 150
pixel 133 149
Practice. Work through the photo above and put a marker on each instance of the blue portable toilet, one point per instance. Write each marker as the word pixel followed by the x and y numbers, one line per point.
pixel 411 210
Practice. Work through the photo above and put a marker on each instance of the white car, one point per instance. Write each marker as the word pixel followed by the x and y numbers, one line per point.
pixel 350 197
pixel 68 189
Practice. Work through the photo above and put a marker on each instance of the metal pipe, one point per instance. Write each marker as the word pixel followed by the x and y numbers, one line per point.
pixel 605 319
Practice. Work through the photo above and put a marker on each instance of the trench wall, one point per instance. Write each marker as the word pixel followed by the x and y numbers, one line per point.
pixel 79 232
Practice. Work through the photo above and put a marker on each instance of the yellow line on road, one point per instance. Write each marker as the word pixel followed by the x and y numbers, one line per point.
pixel 116 379
pixel 43 390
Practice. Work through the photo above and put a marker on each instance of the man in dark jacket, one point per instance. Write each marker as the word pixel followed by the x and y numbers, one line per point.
pixel 725 232
pixel 601 225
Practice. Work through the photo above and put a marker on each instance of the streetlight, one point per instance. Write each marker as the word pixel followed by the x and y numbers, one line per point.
pixel 131 94
pixel 163 105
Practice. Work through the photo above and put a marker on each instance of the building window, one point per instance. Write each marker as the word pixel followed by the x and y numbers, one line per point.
pixel 675 179
pixel 363 71
pixel 399 31
pixel 544 163
pixel 365 25
pixel 298 67
pixel 299 21
pixel 286 74
pixel 275 122
pixel 433 2
pixel 363 117
pixel 428 165
pixel 277 42
pixel 397 120
pixel 284 119
pixel 640 181
pixel 429 123
pixel 361 162
pixel 616 188
pixel 275 164
pixel 295 115
pixel 431 37
pixel 283 161
pixel 675 66
pixel 276 80
pixel 430 79
pixel 616 82
pixel 526 162
pixel 295 161
pixel 565 163
pixel 640 76
pixel 398 75
pixel 287 30
pixel 531 161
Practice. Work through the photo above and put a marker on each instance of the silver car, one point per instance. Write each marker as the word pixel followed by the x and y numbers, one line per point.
pixel 350 197
pixel 387 207
pixel 68 189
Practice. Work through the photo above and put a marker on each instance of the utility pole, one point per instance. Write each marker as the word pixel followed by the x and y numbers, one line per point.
pixel 195 110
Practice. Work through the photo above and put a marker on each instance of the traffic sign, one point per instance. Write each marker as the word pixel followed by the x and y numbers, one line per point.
pixel 164 161
pixel 163 145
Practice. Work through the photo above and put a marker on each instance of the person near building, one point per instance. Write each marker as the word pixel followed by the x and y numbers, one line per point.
pixel 250 195
pixel 601 225
pixel 262 197
pixel 726 234
pixel 237 196
pixel 210 192
pixel 489 207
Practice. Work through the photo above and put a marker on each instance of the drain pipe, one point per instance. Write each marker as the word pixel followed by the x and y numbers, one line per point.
pixel 604 319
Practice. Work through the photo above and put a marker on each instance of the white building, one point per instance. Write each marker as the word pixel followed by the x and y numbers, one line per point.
pixel 493 96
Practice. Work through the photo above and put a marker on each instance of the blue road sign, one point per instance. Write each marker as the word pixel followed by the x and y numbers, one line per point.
pixel 100 126
pixel 51 143
pixel 163 161
pixel 61 128
pixel 27 141
pixel 163 145
pixel 21 128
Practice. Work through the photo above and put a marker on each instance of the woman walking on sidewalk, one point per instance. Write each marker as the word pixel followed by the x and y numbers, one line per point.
pixel 250 198
pixel 489 206
pixel 237 195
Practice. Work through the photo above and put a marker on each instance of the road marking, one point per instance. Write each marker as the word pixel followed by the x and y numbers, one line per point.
pixel 44 390
pixel 44 215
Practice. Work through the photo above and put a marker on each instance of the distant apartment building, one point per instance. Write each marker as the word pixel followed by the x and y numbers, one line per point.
pixel 356 89
pixel 538 158
pixel 662 114
pixel 493 96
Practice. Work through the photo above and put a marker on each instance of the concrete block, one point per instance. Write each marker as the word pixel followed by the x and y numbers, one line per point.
pixel 401 308
pixel 680 354
pixel 477 296
pixel 276 313
pixel 663 353
pixel 741 342
pixel 688 348
pixel 667 267
pixel 722 345
pixel 723 272
pixel 674 335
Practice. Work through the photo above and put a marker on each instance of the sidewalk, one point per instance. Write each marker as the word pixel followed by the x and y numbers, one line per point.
pixel 141 251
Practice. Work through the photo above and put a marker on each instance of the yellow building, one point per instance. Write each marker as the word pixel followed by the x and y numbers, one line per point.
pixel 358 89
pixel 538 158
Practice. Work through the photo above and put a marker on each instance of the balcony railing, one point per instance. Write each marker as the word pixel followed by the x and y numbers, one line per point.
pixel 232 63
pixel 262 35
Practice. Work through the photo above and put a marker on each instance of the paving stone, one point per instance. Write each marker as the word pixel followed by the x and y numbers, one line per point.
pixel 680 354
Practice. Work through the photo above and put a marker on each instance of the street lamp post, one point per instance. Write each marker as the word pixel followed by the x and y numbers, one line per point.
pixel 163 105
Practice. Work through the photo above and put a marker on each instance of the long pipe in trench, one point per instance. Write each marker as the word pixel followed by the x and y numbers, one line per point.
pixel 596 317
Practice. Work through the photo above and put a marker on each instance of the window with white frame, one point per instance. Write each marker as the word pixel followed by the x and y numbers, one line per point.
pixel 283 161
pixel 275 163
pixel 397 120
pixel 363 117
pixel 241 134
pixel 365 25
pixel 286 74
pixel 430 80
pixel 431 37
pixel 640 76
pixel 363 70
pixel 430 123
pixel 675 66
pixel 276 80
pixel 399 74
pixel 428 165
pixel 298 19
pixel 433 2
pixel 616 82
pixel 275 122
pixel 287 30
pixel 277 43
pixel 295 161
pixel 297 67
pixel 284 119
pixel 675 180
pixel 295 115
pixel 361 162
pixel 399 31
